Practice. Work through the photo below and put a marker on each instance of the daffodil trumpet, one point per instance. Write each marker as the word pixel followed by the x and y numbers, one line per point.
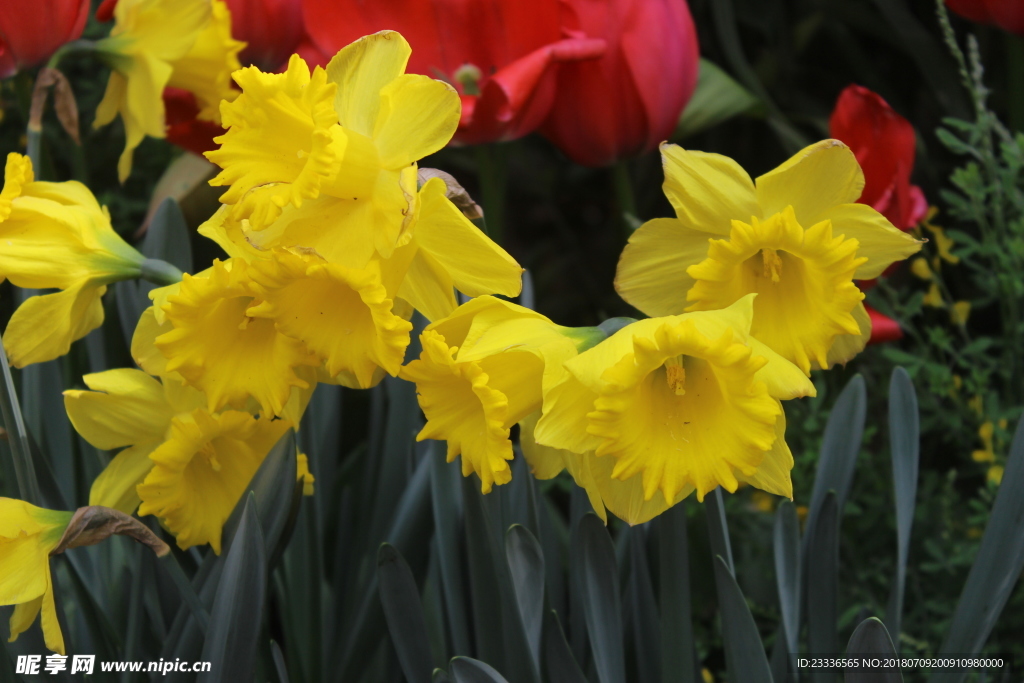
pixel 669 406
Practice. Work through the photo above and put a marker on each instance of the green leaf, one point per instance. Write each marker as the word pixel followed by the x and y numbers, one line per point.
pixel 822 585
pixel 440 676
pixel 17 440
pixel 404 614
pixel 526 565
pixel 786 544
pixel 646 626
pixel 745 658
pixel 678 663
pixel 602 605
pixel 279 664
pixel 904 439
pixel 870 639
pixel 559 663
pixel 466 670
pixel 237 614
pixel 996 568
pixel 717 98
pixel 500 636
pixel 167 237
pixel 446 499
pixel 718 528
pixel 839 448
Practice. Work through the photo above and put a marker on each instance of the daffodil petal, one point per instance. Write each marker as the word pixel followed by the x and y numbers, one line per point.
pixel 125 407
pixel 428 287
pixel 651 274
pixel 707 191
pixel 43 327
pixel 545 462
pixel 625 499
pixel 361 70
pixel 115 487
pixel 773 474
pixel 418 116
pixel 878 240
pixel 52 636
pixel 846 346
pixel 815 179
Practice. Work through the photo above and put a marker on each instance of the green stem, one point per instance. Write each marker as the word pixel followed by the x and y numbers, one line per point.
pixel 17 435
pixel 1015 80
pixel 492 171
pixel 159 272
pixel 625 198
pixel 65 50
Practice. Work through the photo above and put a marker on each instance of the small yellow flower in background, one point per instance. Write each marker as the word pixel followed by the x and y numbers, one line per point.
pixel 977 404
pixel 182 463
pixel 987 452
pixel 920 268
pixel 958 382
pixel 796 238
pixel 943 243
pixel 995 474
pixel 482 370
pixel 680 403
pixel 762 502
pixel 934 297
pixel 56 235
pixel 959 313
pixel 28 535
pixel 165 43
pixel 707 676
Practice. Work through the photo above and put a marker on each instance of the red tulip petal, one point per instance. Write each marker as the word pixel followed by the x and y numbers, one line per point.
pixel 183 129
pixel 515 100
pixel 918 206
pixel 105 12
pixel 975 10
pixel 883 328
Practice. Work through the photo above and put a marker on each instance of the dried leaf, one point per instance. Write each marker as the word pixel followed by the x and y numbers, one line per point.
pixel 63 102
pixel 94 524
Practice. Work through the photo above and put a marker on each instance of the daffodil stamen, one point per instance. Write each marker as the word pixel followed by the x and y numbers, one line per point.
pixel 772 264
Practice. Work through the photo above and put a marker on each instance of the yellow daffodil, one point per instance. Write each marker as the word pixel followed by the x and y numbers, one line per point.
pixel 482 370
pixel 348 137
pixel 687 402
pixel 126 408
pixel 444 252
pixel 56 235
pixel 200 472
pixel 343 315
pixel 28 535
pixel 159 422
pixel 220 349
pixel 159 43
pixel 796 237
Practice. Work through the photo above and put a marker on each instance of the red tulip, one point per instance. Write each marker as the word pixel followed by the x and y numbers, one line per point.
pixel 1007 14
pixel 501 55
pixel 272 29
pixel 30 32
pixel 883 328
pixel 628 101
pixel 183 128
pixel 884 144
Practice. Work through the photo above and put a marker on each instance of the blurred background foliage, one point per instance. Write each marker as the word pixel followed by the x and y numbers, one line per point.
pixel 566 225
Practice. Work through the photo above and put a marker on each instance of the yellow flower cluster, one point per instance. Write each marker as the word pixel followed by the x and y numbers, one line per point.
pixel 333 239
pixel 752 288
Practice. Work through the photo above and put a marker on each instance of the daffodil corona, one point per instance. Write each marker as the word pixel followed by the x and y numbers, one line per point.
pixel 687 402
pixel 795 237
